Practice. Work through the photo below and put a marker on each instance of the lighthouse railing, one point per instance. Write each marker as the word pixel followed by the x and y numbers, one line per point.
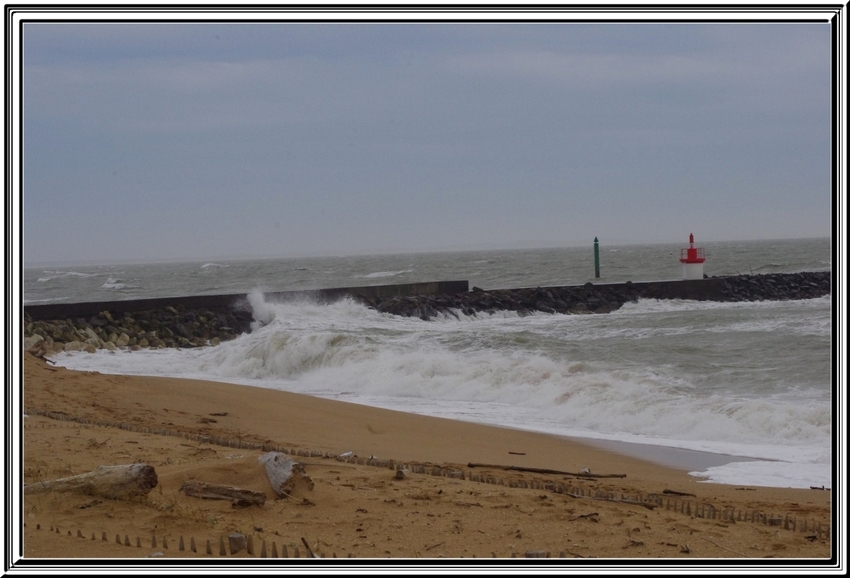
pixel 692 253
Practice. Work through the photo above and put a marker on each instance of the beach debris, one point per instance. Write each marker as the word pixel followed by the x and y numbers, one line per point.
pixel 286 475
pixel 401 474
pixel 678 493
pixel 113 482
pixel 435 545
pixel 309 549
pixel 545 471
pixel 517 453
pixel 593 517
pixel 240 498
pixel 585 470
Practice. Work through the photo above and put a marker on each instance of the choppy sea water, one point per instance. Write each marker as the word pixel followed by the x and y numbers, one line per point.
pixel 752 380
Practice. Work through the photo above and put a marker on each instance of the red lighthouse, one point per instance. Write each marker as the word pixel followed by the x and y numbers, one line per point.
pixel 692 259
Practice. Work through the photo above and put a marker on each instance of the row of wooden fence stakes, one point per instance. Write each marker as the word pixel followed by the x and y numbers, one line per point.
pixel 687 507
pixel 240 543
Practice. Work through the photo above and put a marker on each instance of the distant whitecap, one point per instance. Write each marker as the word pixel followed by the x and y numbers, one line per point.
pixel 112 283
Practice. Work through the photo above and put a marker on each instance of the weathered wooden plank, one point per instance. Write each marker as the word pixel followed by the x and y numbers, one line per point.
pixel 238 496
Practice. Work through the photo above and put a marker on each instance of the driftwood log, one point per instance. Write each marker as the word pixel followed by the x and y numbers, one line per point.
pixel 546 471
pixel 113 482
pixel 286 476
pixel 239 497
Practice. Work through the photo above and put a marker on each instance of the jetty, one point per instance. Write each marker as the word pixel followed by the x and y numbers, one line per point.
pixel 204 320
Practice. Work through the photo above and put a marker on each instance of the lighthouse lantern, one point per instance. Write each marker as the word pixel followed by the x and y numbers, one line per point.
pixel 692 260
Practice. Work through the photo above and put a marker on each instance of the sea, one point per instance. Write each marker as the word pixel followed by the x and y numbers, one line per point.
pixel 738 393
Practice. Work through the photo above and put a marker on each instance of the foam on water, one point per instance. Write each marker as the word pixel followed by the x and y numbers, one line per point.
pixel 111 283
pixel 380 274
pixel 51 275
pixel 596 376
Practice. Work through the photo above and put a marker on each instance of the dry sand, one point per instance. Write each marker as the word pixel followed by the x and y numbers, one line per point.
pixel 361 510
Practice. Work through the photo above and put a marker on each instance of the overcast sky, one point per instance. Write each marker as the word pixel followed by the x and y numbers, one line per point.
pixel 194 141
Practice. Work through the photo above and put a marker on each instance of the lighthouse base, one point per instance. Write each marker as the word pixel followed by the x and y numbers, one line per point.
pixel 692 271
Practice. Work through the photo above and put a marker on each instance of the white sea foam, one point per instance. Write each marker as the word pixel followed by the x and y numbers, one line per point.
pixel 52 275
pixel 381 274
pixel 112 283
pixel 40 301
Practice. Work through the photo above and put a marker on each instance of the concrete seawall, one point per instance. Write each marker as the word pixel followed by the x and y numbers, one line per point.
pixel 235 302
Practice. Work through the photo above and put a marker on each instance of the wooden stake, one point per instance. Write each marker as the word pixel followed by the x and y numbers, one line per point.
pixel 237 542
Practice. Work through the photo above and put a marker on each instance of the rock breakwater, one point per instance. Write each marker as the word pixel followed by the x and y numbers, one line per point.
pixel 591 298
pixel 178 327
pixel 185 327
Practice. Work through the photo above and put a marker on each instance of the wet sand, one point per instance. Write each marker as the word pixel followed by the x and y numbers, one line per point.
pixel 682 459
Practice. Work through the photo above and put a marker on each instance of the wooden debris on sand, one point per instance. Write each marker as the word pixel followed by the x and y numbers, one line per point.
pixel 240 498
pixel 113 482
pixel 546 471
pixel 287 476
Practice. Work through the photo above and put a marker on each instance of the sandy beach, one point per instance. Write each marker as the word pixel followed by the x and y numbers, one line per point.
pixel 464 491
